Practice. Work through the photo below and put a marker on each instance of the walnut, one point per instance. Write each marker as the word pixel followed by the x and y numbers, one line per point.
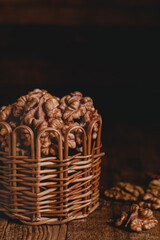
pixel 77 93
pixel 73 99
pixel 75 108
pixel 1 138
pixel 152 198
pixel 27 102
pixel 125 191
pixel 45 151
pixel 56 123
pixel 22 152
pixel 35 116
pixel 5 112
pixel 13 124
pixel 18 107
pixel 42 126
pixel 145 204
pixel 121 219
pixel 137 219
pixel 18 142
pixel 54 149
pixel 71 135
pixel 45 141
pixel 33 99
pixel 6 149
pixel 78 137
pixel 3 131
pixel 51 108
pixel 25 137
pixel 3 144
pixel 4 140
pixel 155 184
pixel 72 110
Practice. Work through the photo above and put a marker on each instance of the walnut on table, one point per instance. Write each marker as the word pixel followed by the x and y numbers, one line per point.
pixel 151 198
pixel 125 191
pixel 137 219
pixel 155 184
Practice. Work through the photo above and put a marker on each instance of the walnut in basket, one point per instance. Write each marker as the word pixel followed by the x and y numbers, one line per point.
pixel 39 110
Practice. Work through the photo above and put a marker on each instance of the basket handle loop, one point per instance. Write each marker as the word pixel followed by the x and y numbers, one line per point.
pixel 9 130
pixel 38 143
pixel 14 139
pixel 66 148
pixel 89 134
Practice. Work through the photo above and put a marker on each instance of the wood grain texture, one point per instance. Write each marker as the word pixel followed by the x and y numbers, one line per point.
pixel 3 226
pixel 17 231
pixel 62 232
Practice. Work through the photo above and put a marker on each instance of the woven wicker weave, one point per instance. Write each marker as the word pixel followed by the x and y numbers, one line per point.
pixel 50 190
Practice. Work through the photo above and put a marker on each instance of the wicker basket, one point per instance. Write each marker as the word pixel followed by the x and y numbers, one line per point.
pixel 50 190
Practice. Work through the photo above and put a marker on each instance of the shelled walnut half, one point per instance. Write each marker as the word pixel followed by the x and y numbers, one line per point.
pixel 151 198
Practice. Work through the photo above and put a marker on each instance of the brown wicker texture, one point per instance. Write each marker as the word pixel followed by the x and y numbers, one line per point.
pixel 50 190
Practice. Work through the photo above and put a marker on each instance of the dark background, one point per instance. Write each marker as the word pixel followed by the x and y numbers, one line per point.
pixel 108 50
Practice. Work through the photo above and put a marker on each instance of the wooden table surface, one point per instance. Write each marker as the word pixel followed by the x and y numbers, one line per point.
pixel 131 151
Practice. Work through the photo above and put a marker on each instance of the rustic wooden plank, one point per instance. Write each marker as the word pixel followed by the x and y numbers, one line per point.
pixel 18 231
pixel 40 228
pixel 53 232
pixel 44 232
pixel 30 233
pixel 3 226
pixel 62 232
pixel 12 231
pixel 25 231
pixel 80 16
pixel 35 231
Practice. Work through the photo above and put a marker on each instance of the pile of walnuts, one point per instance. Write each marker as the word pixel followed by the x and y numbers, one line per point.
pixel 125 191
pixel 38 110
pixel 138 219
pixel 140 216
